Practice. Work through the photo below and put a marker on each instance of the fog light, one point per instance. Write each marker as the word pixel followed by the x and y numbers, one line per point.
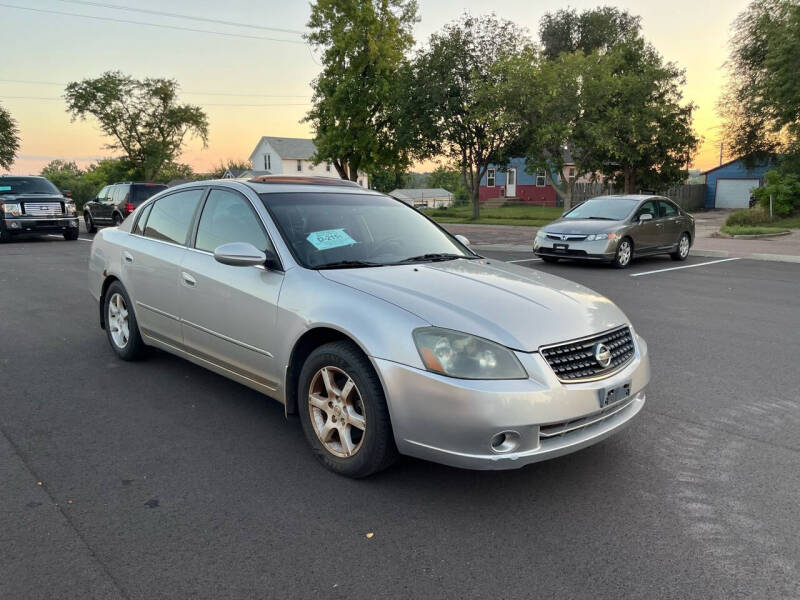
pixel 13 225
pixel 505 441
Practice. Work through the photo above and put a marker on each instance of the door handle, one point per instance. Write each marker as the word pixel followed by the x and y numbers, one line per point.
pixel 188 279
pixel 127 256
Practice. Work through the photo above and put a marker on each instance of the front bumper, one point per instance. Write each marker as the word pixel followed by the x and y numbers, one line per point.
pixel 38 225
pixel 456 421
pixel 594 250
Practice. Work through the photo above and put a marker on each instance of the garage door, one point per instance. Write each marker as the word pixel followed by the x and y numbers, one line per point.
pixel 734 193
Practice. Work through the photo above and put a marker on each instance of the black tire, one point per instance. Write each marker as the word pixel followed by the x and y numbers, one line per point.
pixel 5 237
pixel 134 348
pixel 550 259
pixel 117 219
pixel 623 258
pixel 89 221
pixel 377 449
pixel 71 235
pixel 684 244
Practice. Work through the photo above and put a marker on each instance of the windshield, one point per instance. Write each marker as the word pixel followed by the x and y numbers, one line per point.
pixel 329 230
pixel 27 185
pixel 611 209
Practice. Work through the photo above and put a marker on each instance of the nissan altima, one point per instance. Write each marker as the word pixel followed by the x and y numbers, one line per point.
pixel 617 229
pixel 381 331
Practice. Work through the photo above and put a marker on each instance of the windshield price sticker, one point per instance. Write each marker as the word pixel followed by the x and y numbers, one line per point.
pixel 5 188
pixel 329 238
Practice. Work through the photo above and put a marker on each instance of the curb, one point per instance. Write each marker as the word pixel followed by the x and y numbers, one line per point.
pixel 760 236
pixel 710 253
pixel 776 257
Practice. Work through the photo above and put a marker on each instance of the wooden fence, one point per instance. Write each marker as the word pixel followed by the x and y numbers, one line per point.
pixel 688 197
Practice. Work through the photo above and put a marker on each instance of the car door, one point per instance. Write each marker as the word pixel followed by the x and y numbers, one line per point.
pixel 645 234
pixel 229 312
pixel 151 264
pixel 93 206
pixel 673 227
pixel 106 204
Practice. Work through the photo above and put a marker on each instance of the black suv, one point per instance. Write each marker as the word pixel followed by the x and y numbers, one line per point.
pixel 34 205
pixel 117 201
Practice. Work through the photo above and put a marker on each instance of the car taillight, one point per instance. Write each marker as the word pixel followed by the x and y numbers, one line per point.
pixel 129 207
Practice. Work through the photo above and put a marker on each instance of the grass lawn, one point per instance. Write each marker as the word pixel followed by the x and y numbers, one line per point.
pixel 751 229
pixel 534 216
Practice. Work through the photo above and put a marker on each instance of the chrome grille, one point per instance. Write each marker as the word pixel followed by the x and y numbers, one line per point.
pixel 575 361
pixel 559 429
pixel 567 237
pixel 42 209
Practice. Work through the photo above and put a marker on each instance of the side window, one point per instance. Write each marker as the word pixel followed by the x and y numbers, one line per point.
pixel 490 177
pixel 171 216
pixel 103 193
pixel 142 220
pixel 668 209
pixel 648 207
pixel 111 192
pixel 123 194
pixel 228 217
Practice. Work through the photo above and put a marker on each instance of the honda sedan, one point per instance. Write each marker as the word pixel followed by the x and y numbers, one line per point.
pixel 383 332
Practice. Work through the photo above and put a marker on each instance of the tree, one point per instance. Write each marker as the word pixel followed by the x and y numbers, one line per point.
pixel 782 189
pixel 142 117
pixel 9 139
pixel 594 30
pixel 66 175
pixel 356 115
pixel 222 166
pixel 761 103
pixel 459 107
pixel 386 180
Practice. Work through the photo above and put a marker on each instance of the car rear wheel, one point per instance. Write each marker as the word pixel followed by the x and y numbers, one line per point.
pixel 684 243
pixel 121 327
pixel 117 219
pixel 90 226
pixel 622 259
pixel 343 411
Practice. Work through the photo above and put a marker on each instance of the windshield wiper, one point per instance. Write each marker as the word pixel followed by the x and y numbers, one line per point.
pixel 349 264
pixel 602 218
pixel 433 256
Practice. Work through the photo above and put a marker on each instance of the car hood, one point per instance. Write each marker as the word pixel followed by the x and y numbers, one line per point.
pixel 581 226
pixel 515 306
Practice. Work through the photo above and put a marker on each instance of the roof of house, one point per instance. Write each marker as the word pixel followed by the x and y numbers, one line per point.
pixel 235 172
pixel 420 193
pixel 302 148
pixel 760 164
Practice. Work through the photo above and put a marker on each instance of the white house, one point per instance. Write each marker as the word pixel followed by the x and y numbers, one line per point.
pixel 292 156
pixel 424 197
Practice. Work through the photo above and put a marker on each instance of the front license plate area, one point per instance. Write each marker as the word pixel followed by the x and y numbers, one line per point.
pixel 609 396
pixel 560 247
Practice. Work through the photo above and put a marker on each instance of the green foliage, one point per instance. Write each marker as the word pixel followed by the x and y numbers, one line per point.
pixel 761 104
pixel 219 170
pixel 594 30
pixel 359 97
pixel 522 215
pixel 174 170
pixel 784 188
pixel 749 229
pixel 142 117
pixel 9 139
pixel 458 109
pixel 451 180
pixel 747 217
pixel 68 176
pixel 386 180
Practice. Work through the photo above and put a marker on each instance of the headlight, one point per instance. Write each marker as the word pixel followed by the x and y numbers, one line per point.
pixel 540 235
pixel 465 356
pixel 13 209
pixel 69 208
pixel 600 236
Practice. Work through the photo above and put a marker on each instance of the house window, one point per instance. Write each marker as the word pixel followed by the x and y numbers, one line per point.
pixel 490 176
pixel 299 165
pixel 361 183
pixel 541 177
pixel 328 167
pixel 268 162
pixel 572 174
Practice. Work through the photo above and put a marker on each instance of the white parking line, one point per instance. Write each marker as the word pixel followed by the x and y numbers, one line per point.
pixel 524 260
pixel 711 262
pixel 61 236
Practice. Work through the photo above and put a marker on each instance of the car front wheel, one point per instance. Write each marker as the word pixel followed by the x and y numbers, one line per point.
pixel 121 326
pixel 624 253
pixel 343 411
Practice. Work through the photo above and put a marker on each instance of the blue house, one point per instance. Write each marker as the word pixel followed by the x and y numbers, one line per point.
pixel 729 185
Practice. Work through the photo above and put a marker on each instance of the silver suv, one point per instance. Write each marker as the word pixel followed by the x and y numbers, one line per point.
pixel 383 332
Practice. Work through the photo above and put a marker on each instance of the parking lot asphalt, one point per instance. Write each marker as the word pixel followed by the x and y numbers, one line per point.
pixel 160 479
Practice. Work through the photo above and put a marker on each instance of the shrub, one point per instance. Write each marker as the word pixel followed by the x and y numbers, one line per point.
pixel 785 192
pixel 747 216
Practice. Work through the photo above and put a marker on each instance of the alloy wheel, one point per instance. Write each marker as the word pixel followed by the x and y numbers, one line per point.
pixel 337 411
pixel 683 246
pixel 118 320
pixel 624 253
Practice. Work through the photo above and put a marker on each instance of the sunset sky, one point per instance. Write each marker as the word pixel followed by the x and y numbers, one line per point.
pixel 253 87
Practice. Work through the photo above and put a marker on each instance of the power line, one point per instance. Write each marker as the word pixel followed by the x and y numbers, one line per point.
pixel 202 104
pixel 182 16
pixel 161 26
pixel 186 93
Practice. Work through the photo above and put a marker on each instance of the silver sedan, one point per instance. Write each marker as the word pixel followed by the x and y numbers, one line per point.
pixel 384 333
pixel 617 229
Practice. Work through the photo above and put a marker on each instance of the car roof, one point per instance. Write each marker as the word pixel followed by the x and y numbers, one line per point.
pixel 631 197
pixel 271 184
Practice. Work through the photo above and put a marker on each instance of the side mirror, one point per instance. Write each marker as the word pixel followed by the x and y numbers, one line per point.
pixel 66 193
pixel 239 254
pixel 463 240
pixel 644 217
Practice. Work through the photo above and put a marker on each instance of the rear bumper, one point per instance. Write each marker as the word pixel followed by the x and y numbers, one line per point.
pixel 456 422
pixel 38 225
